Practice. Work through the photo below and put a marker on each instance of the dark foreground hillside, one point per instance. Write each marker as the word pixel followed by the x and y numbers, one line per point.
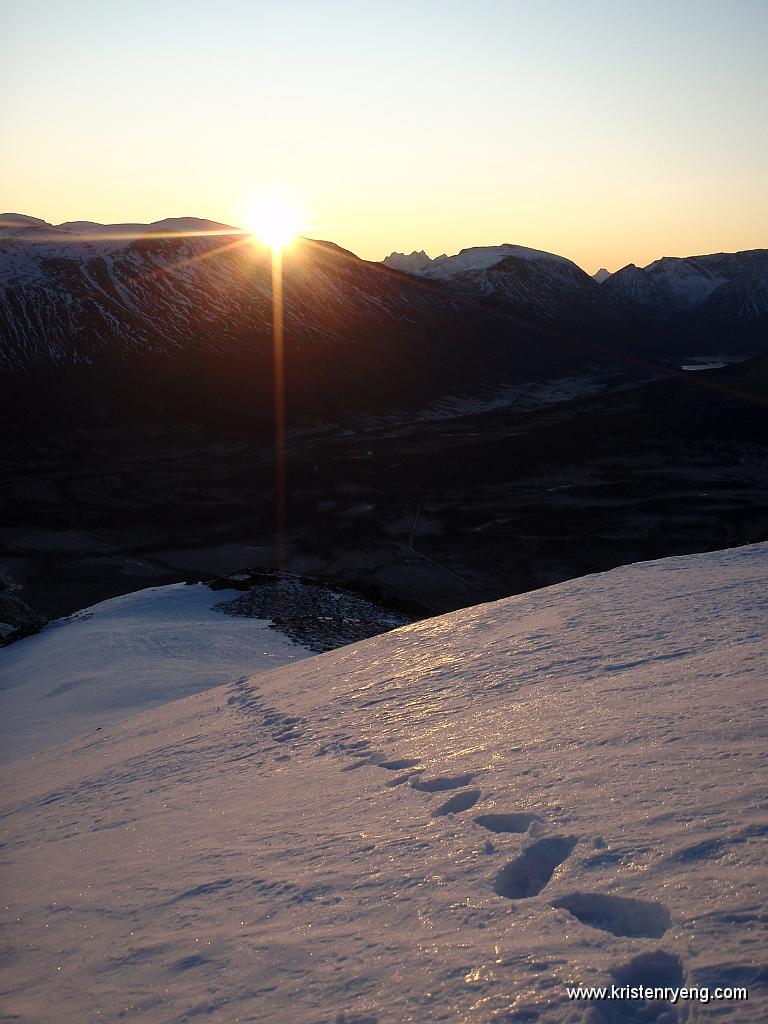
pixel 440 514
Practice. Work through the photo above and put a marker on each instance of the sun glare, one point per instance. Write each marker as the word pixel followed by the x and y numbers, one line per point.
pixel 275 221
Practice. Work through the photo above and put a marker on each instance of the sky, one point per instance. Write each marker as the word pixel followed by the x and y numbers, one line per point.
pixel 608 132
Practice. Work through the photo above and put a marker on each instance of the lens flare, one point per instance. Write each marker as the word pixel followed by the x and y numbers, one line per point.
pixel 275 221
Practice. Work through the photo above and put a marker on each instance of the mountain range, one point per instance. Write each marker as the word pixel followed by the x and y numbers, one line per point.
pixel 720 298
pixel 174 319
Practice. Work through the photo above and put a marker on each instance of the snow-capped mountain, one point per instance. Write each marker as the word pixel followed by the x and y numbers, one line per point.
pixel 463 820
pixel 173 320
pixel 414 263
pixel 732 283
pixel 529 284
pixel 114 306
pixel 73 292
pixel 13 223
pixel 521 273
pixel 476 258
pixel 671 303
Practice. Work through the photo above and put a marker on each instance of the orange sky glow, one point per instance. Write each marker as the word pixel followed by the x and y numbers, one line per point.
pixel 434 126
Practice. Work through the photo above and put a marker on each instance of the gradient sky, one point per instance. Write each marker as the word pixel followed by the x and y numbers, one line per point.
pixel 609 132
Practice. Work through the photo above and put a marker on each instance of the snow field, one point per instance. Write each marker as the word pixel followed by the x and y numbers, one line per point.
pixel 451 822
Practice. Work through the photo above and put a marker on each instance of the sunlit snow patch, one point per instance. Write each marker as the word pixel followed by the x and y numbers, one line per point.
pixel 125 655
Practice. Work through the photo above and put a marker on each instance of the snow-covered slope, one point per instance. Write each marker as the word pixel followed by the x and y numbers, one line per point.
pixel 514 279
pixel 453 822
pixel 698 298
pixel 73 292
pixel 476 258
pixel 678 284
pixel 125 655
pixel 667 283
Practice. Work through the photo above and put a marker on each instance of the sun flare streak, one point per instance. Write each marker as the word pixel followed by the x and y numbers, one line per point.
pixel 276 222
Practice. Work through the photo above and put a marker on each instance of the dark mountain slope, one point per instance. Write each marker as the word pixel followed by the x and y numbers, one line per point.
pixel 715 303
pixel 103 327
pixel 675 305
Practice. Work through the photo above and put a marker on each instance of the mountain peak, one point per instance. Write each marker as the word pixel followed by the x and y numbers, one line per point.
pixel 13 223
pixel 22 220
pixel 414 263
pixel 473 258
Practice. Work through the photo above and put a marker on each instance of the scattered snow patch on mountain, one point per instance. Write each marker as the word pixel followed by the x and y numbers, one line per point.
pixel 686 282
pixel 454 821
pixel 673 284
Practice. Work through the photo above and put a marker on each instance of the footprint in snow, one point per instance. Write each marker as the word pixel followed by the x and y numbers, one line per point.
pixel 527 874
pixel 656 969
pixel 457 803
pixel 440 783
pixel 284 728
pixel 619 915
pixel 520 821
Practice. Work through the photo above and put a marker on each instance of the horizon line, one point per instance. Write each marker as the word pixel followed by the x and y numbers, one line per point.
pixel 29 222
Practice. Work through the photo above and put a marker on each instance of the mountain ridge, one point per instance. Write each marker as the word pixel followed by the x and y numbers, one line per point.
pixel 176 315
pixel 182 321
pixel 690 300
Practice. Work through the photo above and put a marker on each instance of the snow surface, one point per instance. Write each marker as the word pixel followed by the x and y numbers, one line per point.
pixel 450 822
pixel 125 655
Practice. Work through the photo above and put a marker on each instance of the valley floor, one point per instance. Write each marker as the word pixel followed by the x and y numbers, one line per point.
pixel 437 514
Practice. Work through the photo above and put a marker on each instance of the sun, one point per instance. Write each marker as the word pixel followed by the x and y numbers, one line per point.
pixel 275 221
